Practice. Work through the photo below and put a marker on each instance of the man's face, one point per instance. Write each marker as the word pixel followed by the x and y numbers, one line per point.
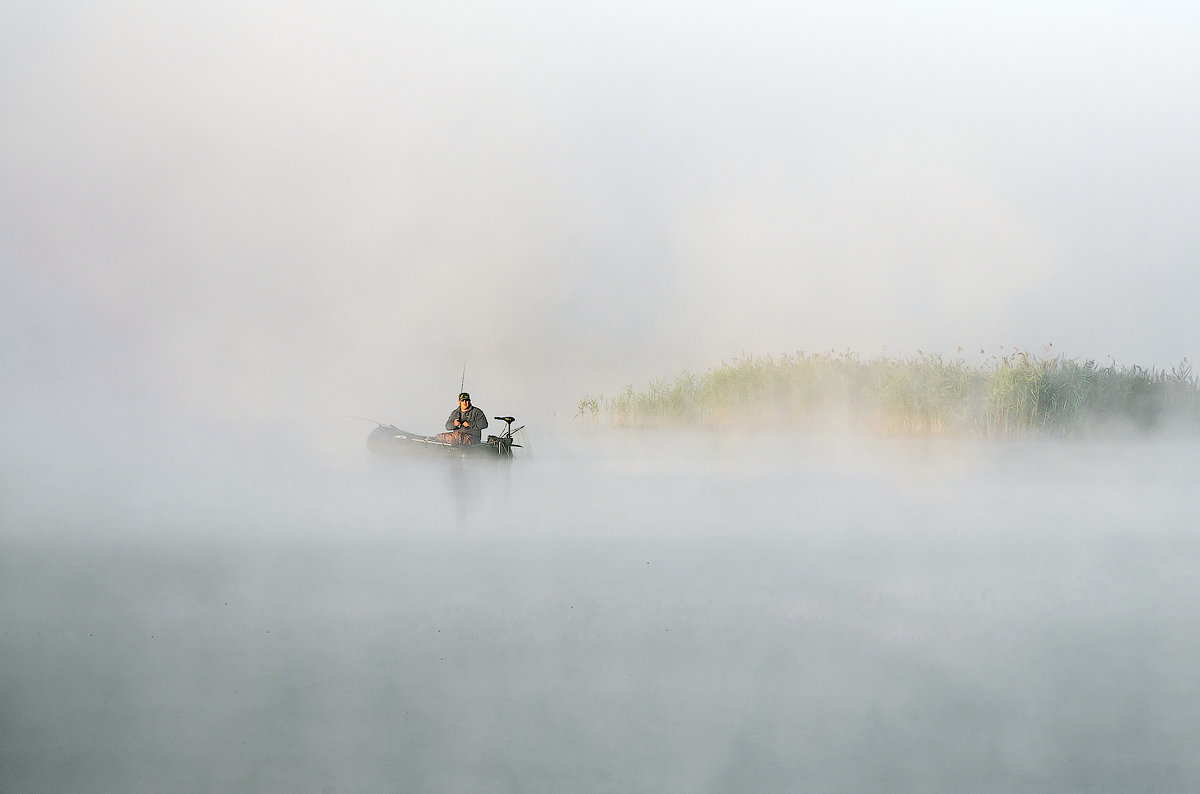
pixel 464 405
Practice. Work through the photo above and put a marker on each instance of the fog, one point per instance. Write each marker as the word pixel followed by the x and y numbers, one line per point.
pixel 235 211
pixel 618 613
pixel 225 229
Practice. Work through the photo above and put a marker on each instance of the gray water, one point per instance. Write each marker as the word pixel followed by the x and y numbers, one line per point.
pixel 621 612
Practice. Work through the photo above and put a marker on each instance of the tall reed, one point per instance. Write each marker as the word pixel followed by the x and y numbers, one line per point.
pixel 1010 394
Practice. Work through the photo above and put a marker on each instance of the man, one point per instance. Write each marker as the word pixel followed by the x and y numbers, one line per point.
pixel 466 423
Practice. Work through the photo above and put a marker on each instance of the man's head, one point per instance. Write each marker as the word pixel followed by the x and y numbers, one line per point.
pixel 464 400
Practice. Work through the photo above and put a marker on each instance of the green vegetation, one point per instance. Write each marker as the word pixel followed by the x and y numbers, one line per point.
pixel 1011 394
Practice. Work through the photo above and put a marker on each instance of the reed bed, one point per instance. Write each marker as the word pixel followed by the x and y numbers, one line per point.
pixel 1011 394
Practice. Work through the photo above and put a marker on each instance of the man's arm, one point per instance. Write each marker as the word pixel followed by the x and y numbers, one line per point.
pixel 450 421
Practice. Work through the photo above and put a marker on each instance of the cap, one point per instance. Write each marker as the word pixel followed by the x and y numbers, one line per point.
pixel 464 396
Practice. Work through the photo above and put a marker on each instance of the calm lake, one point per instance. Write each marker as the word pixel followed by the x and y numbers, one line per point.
pixel 629 611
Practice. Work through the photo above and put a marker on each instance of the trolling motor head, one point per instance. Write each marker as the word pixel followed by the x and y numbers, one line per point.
pixel 505 440
pixel 508 420
pixel 503 443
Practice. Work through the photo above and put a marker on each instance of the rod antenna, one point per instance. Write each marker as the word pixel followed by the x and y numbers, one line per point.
pixel 462 385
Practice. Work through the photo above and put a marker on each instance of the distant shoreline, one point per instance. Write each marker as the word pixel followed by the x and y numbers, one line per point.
pixel 1013 394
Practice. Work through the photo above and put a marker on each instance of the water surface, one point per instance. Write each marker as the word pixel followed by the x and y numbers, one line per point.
pixel 621 612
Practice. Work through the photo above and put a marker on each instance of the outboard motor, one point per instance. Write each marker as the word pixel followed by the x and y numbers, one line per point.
pixel 503 443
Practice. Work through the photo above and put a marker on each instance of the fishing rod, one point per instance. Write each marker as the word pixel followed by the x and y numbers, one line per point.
pixel 365 419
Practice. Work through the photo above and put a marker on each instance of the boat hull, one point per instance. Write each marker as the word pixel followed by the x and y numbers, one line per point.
pixel 390 440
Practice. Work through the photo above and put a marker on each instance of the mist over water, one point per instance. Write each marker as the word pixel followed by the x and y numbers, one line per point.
pixel 226 228
pixel 230 212
pixel 620 612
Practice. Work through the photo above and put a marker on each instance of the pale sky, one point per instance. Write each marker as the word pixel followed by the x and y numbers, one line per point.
pixel 249 209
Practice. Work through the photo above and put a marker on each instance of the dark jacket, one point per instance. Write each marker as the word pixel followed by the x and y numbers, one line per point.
pixel 474 416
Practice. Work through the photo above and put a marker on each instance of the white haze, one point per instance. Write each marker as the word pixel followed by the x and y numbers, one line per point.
pixel 633 614
pixel 227 227
pixel 227 211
